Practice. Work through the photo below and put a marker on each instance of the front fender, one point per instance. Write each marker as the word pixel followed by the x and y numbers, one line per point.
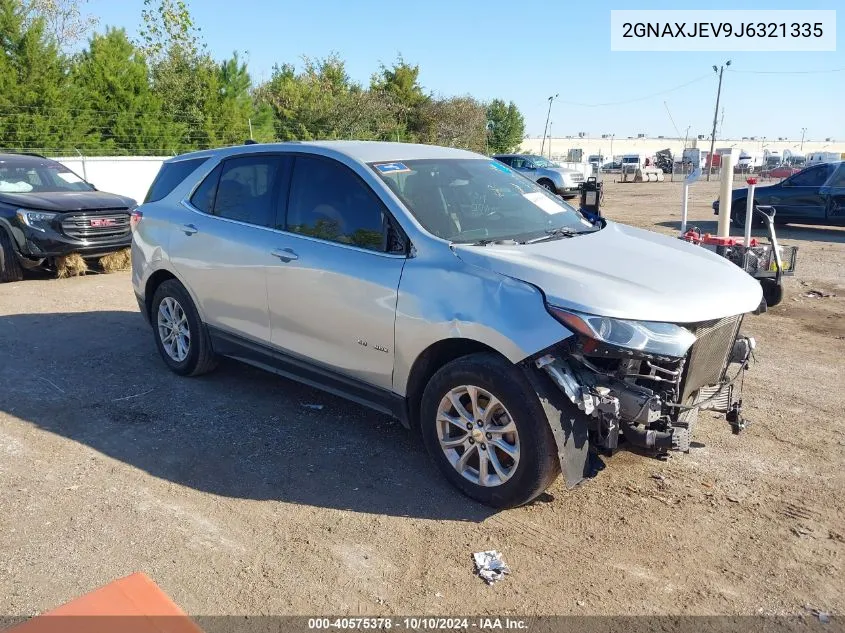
pixel 556 177
pixel 459 300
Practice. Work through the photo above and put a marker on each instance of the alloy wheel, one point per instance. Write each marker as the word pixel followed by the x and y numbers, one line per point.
pixel 478 436
pixel 173 329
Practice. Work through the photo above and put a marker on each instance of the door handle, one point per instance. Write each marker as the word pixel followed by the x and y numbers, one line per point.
pixel 284 254
pixel 189 229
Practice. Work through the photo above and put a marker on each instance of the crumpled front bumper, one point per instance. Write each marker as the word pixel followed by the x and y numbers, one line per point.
pixel 592 408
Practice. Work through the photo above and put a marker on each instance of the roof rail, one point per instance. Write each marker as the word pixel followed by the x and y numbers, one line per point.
pixel 250 141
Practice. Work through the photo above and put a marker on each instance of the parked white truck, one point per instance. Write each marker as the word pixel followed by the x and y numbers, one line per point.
pixel 640 168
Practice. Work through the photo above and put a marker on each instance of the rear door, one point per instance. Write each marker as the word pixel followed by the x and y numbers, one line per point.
pixel 332 292
pixel 224 243
pixel 834 195
pixel 800 198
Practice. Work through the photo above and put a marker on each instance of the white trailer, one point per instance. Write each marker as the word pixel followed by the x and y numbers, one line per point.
pixel 814 158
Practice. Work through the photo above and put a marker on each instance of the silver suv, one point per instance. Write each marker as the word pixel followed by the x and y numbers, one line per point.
pixel 557 179
pixel 441 287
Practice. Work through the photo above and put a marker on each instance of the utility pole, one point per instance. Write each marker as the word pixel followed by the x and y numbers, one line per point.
pixel 550 139
pixel 721 71
pixel 612 136
pixel 803 131
pixel 546 130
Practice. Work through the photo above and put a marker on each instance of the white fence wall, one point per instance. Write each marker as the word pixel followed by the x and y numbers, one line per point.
pixel 126 175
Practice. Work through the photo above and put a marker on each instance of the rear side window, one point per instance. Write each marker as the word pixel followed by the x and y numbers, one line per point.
pixel 171 176
pixel 203 198
pixel 329 201
pixel 245 190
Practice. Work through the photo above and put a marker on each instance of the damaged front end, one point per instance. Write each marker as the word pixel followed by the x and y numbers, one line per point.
pixel 644 381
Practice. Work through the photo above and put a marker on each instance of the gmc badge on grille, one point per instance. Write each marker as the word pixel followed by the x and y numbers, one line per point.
pixel 103 222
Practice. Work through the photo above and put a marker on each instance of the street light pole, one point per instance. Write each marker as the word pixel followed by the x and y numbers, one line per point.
pixel 612 136
pixel 803 131
pixel 546 129
pixel 720 70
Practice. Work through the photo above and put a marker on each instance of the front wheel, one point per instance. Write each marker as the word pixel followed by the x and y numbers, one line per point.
pixel 10 268
pixel 483 425
pixel 549 185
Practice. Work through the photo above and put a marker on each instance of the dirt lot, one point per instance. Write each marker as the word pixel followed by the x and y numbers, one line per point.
pixel 238 499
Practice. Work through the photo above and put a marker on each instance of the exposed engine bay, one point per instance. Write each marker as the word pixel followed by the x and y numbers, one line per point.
pixel 651 400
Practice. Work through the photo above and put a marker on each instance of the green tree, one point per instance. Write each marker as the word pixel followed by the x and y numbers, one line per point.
pixel 64 22
pixel 124 115
pixel 34 91
pixel 183 75
pixel 400 85
pixel 314 103
pixel 455 122
pixel 506 126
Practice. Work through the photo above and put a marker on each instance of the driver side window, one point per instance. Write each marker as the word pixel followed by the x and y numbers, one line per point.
pixel 329 201
pixel 813 177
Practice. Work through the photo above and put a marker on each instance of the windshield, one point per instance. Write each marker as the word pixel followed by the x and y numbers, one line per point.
pixel 631 159
pixel 539 161
pixel 472 200
pixel 28 175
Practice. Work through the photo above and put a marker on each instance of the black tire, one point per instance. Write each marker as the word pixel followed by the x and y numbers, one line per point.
pixel 10 267
pixel 772 292
pixel 738 208
pixel 538 464
pixel 200 358
pixel 547 184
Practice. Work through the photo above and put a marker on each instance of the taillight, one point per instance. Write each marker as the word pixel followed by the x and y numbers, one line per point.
pixel 135 218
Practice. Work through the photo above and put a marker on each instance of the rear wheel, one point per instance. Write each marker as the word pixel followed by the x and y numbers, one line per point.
pixel 483 425
pixel 181 337
pixel 10 267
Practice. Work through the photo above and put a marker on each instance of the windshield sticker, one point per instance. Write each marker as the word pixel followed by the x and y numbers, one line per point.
pixel 392 168
pixel 500 166
pixel 15 187
pixel 544 202
pixel 69 176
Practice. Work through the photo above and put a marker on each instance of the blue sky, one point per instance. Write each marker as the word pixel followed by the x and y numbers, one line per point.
pixel 526 52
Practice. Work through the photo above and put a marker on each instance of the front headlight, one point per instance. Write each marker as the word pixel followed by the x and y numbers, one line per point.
pixel 38 220
pixel 662 339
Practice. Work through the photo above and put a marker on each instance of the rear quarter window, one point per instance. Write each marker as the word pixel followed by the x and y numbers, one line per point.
pixel 171 176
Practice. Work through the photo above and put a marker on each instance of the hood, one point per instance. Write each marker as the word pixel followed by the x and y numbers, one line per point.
pixel 62 201
pixel 626 273
pixel 563 171
pixel 742 192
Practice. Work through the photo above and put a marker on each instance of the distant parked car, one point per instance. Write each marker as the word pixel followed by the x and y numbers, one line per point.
pixel 815 195
pixel 545 173
pixel 611 167
pixel 781 171
pixel 47 211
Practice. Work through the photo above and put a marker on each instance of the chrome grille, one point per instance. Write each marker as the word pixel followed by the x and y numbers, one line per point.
pixel 709 354
pixel 93 227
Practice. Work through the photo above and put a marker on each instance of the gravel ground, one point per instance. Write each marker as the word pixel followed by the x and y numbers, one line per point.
pixel 238 499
